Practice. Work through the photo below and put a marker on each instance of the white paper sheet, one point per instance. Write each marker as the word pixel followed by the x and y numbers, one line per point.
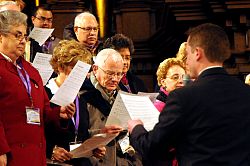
pixel 40 34
pixel 67 92
pixel 130 106
pixel 118 114
pixel 86 148
pixel 152 96
pixel 41 63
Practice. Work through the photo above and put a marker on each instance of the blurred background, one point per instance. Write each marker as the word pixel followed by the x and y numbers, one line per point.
pixel 158 27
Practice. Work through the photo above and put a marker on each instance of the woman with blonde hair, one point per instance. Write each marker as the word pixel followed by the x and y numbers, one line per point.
pixel 65 56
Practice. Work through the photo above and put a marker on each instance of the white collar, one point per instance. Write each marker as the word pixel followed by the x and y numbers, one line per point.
pixel 6 57
pixel 52 85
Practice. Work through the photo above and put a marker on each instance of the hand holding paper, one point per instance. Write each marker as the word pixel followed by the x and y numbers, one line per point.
pixel 113 129
pixel 133 123
pixel 87 147
pixel 68 111
pixel 130 106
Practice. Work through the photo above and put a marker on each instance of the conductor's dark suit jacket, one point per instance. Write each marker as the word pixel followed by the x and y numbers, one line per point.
pixel 208 122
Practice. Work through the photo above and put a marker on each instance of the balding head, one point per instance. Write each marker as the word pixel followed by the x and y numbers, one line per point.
pixel 107 55
pixel 86 29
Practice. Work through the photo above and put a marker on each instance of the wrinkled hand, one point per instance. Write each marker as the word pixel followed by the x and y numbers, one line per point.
pixel 3 160
pixel 99 152
pixel 133 123
pixel 68 111
pixel 114 129
pixel 60 154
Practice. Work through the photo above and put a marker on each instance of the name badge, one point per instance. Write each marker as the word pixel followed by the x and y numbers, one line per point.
pixel 124 143
pixel 74 145
pixel 33 115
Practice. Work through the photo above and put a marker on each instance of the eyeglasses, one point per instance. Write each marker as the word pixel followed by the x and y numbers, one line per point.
pixel 112 74
pixel 176 77
pixel 19 36
pixel 43 19
pixel 89 29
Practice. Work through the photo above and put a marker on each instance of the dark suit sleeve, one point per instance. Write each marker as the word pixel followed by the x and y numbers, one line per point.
pixel 157 142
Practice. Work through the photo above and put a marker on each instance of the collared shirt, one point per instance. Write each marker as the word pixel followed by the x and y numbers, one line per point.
pixel 10 60
pixel 108 96
pixel 6 57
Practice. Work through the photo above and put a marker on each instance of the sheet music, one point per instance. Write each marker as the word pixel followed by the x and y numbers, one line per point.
pixel 118 114
pixel 40 34
pixel 152 96
pixel 71 86
pixel 133 107
pixel 86 148
pixel 41 63
pixel 141 107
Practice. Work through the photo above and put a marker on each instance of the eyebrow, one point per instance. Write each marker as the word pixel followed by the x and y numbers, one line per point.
pixel 45 17
pixel 21 33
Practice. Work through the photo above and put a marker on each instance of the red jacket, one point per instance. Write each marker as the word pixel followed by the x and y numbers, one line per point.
pixel 24 143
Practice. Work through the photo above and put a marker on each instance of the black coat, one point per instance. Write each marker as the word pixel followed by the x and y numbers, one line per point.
pixel 207 121
pixel 136 84
pixel 62 137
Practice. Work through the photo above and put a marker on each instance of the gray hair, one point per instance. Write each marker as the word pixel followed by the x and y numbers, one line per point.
pixel 106 53
pixel 3 3
pixel 81 16
pixel 10 19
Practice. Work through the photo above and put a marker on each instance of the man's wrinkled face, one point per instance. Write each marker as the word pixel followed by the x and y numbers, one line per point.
pixel 87 31
pixel 110 74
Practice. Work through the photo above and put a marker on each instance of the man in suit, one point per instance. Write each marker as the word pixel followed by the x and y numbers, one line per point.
pixel 42 17
pixel 207 121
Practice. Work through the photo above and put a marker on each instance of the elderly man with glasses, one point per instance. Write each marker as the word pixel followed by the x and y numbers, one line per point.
pixel 24 105
pixel 86 29
pixel 99 91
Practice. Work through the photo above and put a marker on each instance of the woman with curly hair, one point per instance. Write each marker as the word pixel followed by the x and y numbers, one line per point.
pixel 65 56
pixel 169 76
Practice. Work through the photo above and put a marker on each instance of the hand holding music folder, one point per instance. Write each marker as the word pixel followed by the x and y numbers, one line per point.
pixel 86 148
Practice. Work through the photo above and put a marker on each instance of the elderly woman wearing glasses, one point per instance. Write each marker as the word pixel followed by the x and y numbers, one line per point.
pixel 169 76
pixel 24 105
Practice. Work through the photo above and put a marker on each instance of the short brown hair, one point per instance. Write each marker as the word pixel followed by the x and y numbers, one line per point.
pixel 164 67
pixel 67 53
pixel 213 39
